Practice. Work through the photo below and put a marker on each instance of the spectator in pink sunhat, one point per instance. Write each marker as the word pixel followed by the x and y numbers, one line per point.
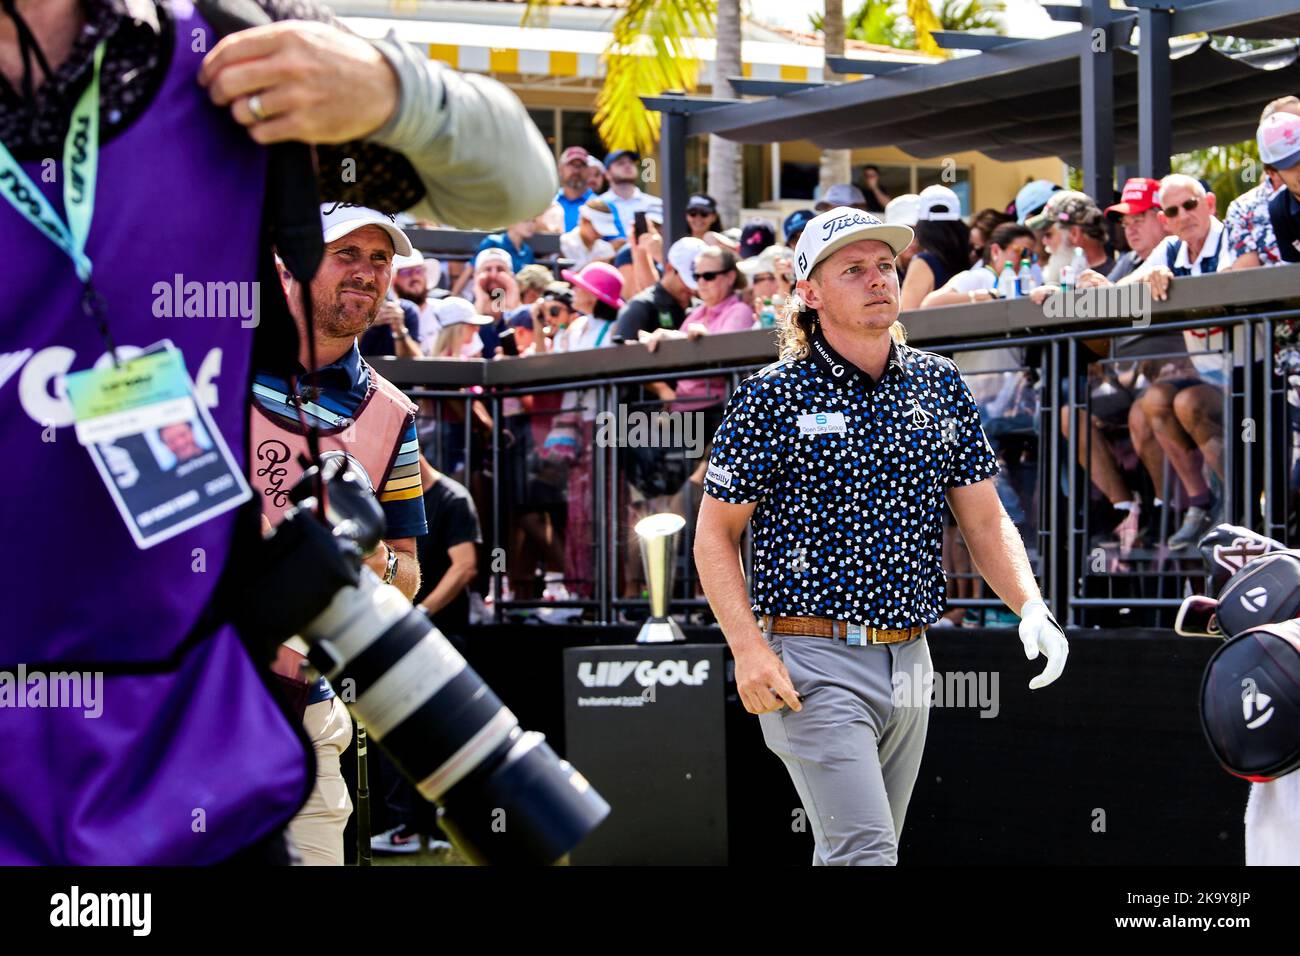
pixel 596 300
pixel 597 297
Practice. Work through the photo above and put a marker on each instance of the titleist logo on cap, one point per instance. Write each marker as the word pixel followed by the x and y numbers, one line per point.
pixel 356 205
pixel 840 223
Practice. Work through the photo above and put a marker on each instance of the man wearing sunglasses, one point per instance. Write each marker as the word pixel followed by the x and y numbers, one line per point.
pixel 1190 406
pixel 1195 245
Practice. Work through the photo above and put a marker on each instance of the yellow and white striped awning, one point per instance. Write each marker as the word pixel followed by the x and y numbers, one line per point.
pixel 544 51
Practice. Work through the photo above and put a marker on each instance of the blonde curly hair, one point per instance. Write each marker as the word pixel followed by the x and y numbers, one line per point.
pixel 794 327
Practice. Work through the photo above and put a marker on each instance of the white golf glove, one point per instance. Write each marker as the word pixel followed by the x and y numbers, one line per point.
pixel 1040 632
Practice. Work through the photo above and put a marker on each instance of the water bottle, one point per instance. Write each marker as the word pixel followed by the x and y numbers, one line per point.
pixel 1007 282
pixel 1035 270
pixel 1025 280
pixel 1078 264
pixel 767 315
pixel 1068 274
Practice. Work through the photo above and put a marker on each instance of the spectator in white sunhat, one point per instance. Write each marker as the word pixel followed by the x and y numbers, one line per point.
pixel 586 241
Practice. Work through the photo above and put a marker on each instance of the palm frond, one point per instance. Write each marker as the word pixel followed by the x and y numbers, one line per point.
pixel 924 22
pixel 651 50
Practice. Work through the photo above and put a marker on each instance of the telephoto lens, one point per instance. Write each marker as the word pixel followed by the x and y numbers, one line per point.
pixel 504 795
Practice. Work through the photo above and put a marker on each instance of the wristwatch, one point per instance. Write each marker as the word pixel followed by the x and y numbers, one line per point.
pixel 390 571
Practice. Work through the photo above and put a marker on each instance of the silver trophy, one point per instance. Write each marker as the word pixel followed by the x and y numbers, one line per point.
pixel 658 536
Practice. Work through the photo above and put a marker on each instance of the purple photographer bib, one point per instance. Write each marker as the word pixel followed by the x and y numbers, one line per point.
pixel 191 764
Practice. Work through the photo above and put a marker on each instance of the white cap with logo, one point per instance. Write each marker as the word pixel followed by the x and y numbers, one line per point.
pixel 339 218
pixel 834 229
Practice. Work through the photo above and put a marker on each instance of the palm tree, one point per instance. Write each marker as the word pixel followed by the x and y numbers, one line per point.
pixel 724 154
pixel 964 15
pixel 651 51
pixel 877 22
pixel 836 164
pixel 1230 169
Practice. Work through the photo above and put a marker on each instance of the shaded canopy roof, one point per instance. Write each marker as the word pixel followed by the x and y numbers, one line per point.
pixel 1279 28
pixel 1034 112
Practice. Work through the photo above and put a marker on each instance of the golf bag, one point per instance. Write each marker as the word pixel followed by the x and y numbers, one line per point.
pixel 1250 693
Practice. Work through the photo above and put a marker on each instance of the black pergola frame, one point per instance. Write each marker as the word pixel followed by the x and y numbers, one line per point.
pixel 682 116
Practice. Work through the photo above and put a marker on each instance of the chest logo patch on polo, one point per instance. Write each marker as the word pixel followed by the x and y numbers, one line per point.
pixel 821 423
pixel 918 417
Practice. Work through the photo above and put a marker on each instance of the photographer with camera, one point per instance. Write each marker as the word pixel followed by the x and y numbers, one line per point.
pixel 363 418
pixel 160 137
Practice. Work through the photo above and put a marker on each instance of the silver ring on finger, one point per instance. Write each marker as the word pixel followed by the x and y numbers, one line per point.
pixel 255 107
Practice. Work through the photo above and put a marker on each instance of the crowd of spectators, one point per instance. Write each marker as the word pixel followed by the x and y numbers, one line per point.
pixel 1151 404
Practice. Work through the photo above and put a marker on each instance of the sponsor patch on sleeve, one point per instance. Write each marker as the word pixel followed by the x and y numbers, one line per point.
pixel 719 476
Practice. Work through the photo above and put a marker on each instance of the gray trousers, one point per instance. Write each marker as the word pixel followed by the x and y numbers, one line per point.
pixel 852 752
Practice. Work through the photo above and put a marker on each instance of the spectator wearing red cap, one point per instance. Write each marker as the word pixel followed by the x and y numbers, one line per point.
pixel 574 189
pixel 1138 214
pixel 1196 243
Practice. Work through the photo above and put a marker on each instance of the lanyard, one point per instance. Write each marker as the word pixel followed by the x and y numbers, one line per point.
pixel 80 172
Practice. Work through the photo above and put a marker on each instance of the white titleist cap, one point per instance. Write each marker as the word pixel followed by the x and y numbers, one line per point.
pixel 834 229
pixel 337 219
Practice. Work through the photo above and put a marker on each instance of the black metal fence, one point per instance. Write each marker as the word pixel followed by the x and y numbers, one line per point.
pixel 1194 404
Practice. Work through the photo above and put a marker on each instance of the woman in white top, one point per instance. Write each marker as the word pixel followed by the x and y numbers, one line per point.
pixel 1008 243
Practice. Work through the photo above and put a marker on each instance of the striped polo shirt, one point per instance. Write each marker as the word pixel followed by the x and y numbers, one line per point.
pixel 343 386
